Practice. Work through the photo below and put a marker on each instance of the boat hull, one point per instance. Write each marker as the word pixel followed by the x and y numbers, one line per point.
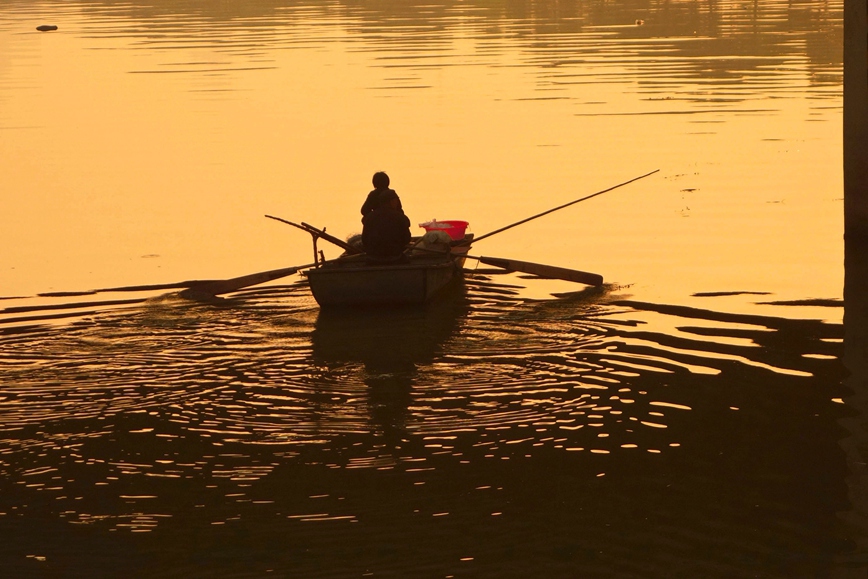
pixel 381 285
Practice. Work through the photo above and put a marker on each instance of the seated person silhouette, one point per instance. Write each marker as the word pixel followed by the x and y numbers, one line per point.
pixel 380 193
pixel 385 228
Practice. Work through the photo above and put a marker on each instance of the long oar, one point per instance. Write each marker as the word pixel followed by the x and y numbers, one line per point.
pixel 541 270
pixel 210 288
pixel 538 269
pixel 531 218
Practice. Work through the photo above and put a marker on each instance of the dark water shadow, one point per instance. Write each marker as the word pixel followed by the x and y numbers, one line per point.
pixel 390 343
pixel 855 444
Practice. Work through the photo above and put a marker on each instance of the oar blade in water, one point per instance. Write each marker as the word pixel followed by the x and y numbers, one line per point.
pixel 224 286
pixel 547 271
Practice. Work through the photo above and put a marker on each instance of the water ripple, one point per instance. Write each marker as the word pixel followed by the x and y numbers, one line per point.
pixel 273 370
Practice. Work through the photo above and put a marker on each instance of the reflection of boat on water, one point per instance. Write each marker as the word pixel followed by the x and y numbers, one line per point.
pixel 389 338
pixel 390 343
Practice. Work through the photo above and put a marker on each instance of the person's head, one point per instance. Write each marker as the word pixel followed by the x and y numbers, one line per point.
pixel 380 180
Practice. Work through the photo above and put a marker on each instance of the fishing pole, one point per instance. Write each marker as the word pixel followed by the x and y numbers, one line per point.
pixel 510 226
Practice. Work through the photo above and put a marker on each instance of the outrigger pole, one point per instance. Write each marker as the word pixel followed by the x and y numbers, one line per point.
pixel 320 233
pixel 510 226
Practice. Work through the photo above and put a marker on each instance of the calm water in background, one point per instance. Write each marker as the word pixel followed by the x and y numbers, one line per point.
pixel 681 422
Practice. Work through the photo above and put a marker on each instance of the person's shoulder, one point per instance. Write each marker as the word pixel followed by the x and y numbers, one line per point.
pixel 370 202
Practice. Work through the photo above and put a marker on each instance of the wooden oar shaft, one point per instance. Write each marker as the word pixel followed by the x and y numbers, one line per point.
pixel 225 286
pixel 538 269
pixel 548 271
pixel 558 208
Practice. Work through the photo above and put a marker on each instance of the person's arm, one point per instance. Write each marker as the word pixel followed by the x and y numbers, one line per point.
pixel 407 235
pixel 369 204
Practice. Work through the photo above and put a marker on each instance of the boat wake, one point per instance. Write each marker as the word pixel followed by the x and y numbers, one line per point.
pixel 118 413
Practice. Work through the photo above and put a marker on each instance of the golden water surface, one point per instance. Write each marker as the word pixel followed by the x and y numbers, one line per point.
pixel 143 142
pixel 682 421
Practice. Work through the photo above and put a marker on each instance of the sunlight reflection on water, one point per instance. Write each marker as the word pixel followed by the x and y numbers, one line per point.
pixel 131 415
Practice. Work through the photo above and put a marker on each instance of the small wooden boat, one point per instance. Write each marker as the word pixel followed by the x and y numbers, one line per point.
pixel 423 273
pixel 354 283
pixel 351 280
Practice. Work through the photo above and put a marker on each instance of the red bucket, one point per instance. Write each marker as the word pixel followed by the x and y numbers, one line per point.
pixel 455 229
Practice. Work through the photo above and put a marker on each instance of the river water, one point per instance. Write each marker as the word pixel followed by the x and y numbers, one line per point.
pixel 682 421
